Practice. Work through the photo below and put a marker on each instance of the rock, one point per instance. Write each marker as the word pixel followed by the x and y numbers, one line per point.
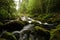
pixel 56 35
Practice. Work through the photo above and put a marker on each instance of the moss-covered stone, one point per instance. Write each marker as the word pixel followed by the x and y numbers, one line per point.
pixel 55 35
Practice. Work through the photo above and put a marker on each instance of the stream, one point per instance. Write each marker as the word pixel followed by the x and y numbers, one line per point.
pixel 28 33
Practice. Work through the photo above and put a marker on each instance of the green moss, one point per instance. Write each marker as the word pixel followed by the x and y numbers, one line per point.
pixel 8 35
pixel 56 35
pixel 40 28
pixel 1 23
pixel 2 39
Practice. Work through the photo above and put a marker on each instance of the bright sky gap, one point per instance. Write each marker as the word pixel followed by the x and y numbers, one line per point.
pixel 17 3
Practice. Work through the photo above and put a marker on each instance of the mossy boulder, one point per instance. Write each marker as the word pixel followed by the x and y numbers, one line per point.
pixel 55 35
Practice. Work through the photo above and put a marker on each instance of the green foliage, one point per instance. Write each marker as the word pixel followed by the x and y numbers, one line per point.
pixel 45 11
pixel 7 9
pixel 34 6
pixel 42 10
pixel 23 6
pixel 43 6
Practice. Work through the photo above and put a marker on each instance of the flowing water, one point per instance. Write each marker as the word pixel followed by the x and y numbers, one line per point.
pixel 26 32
